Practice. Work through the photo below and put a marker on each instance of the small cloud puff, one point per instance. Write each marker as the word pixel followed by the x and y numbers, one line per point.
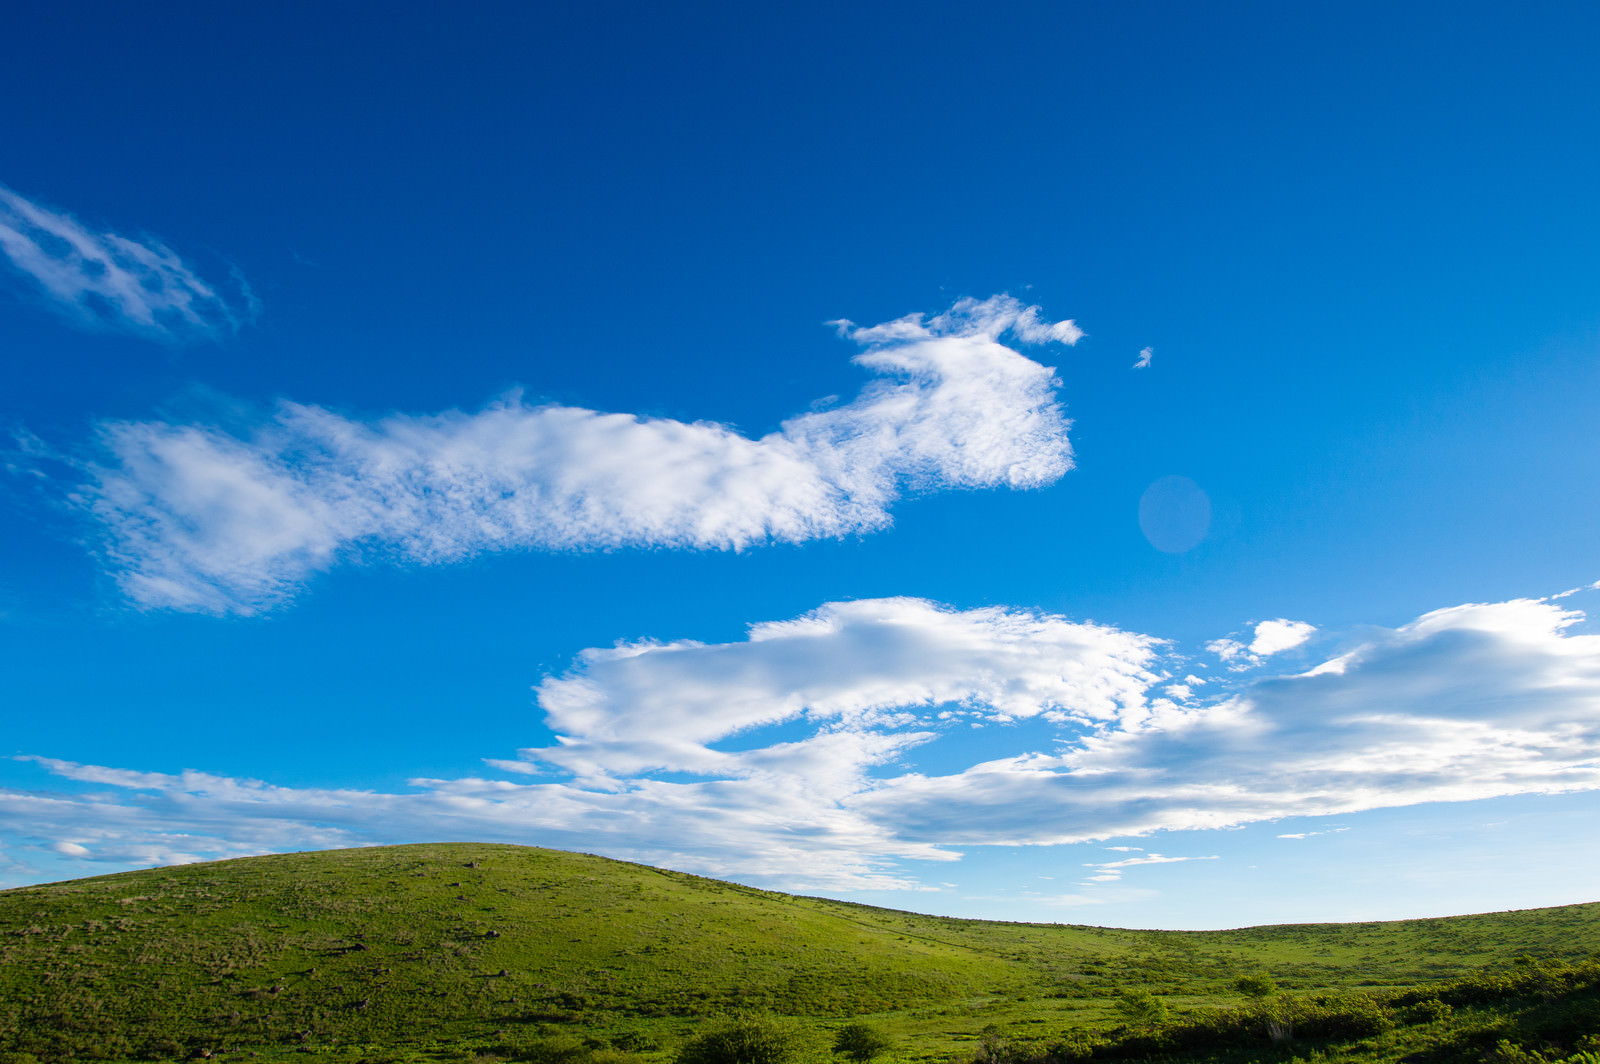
pixel 1271 637
pixel 1145 355
pixel 1274 637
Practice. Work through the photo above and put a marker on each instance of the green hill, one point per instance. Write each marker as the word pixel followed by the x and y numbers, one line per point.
pixel 420 948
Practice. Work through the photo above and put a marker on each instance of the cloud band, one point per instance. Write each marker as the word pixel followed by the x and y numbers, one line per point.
pixel 676 741
pixel 194 517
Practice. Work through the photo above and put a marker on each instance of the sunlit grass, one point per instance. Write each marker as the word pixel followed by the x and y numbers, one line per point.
pixel 427 949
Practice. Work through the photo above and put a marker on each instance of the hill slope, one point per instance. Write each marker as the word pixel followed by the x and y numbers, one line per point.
pixel 471 941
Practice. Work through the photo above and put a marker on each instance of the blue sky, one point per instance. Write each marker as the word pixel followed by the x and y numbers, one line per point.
pixel 1113 466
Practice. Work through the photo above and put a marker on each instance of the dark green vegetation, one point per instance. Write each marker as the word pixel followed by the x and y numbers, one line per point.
pixel 745 1038
pixel 859 1042
pixel 443 952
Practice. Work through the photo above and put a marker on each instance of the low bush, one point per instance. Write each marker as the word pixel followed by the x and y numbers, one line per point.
pixel 860 1042
pixel 746 1038
pixel 1140 1007
pixel 1260 986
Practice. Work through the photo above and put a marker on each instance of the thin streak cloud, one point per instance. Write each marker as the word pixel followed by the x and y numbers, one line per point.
pixel 107 281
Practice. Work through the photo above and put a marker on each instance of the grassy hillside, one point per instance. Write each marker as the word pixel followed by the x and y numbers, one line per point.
pixel 466 944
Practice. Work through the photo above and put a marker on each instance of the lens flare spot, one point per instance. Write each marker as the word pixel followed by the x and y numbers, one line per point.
pixel 1174 514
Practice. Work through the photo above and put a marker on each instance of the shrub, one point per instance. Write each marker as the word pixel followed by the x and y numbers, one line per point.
pixel 1429 1010
pixel 993 1047
pixel 556 1049
pixel 1074 1045
pixel 1341 1017
pixel 1140 1007
pixel 633 1042
pixel 1259 986
pixel 860 1042
pixel 1508 1052
pixel 745 1038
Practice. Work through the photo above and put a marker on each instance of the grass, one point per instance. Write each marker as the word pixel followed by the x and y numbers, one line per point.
pixel 432 951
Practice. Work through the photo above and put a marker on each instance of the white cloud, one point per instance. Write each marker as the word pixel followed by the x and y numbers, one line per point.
pixel 1111 871
pixel 853 685
pixel 1227 649
pixel 103 280
pixel 1311 834
pixel 1475 701
pixel 864 672
pixel 195 517
pixel 1274 637
pixel 1145 355
pixel 988 318
pixel 784 757
pixel 745 828
pixel 1271 637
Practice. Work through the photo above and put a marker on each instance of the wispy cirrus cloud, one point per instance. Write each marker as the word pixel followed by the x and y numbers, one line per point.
pixel 1111 871
pixel 196 517
pixel 102 280
pixel 790 757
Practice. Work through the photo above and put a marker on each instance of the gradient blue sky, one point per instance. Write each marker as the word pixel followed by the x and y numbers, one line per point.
pixel 311 539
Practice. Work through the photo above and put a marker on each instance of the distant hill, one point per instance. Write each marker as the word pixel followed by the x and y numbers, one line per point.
pixel 422 947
